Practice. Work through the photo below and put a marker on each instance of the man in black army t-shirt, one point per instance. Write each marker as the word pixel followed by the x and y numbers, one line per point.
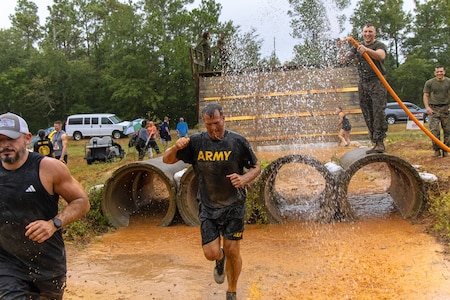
pixel 219 157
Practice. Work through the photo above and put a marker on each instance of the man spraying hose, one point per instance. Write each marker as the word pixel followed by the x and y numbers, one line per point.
pixel 372 92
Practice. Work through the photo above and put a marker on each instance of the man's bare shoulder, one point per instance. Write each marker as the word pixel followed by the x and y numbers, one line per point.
pixel 53 166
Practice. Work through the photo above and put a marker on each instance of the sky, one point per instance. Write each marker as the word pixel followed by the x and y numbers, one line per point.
pixel 268 17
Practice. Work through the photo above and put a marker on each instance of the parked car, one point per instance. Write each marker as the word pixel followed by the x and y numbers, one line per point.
pixel 84 125
pixel 394 113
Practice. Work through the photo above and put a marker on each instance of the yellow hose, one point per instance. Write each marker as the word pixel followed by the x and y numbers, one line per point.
pixel 399 101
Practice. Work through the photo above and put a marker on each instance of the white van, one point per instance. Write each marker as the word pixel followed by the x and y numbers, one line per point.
pixel 84 125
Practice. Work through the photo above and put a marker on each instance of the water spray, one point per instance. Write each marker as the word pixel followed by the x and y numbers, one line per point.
pixel 394 95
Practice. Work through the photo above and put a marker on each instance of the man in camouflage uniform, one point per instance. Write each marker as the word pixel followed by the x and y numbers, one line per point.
pixel 372 92
pixel 436 98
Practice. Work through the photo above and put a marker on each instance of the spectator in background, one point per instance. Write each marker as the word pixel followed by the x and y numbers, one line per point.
pixel 50 135
pixel 344 127
pixel 223 52
pixel 151 142
pixel 182 128
pixel 142 138
pixel 436 98
pixel 164 133
pixel 60 142
pixel 43 146
pixel 205 46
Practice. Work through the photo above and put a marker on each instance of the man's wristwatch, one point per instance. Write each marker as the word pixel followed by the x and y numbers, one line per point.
pixel 57 222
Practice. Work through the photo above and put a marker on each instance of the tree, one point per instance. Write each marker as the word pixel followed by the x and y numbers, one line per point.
pixel 25 22
pixel 311 24
pixel 128 77
pixel 63 28
pixel 204 18
pixel 389 19
pixel 16 62
pixel 431 30
pixel 13 49
pixel 106 55
pixel 410 77
pixel 272 60
pixel 244 50
pixel 168 42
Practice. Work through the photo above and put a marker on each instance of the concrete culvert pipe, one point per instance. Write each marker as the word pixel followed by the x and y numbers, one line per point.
pixel 187 198
pixel 309 196
pixel 147 188
pixel 406 187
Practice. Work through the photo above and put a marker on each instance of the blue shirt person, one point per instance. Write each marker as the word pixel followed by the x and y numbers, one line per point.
pixel 182 128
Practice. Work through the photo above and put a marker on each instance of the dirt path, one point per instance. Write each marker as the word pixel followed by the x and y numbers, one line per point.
pixel 367 259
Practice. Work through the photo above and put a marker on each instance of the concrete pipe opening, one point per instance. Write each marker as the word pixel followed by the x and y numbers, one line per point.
pixel 187 198
pixel 376 185
pixel 144 189
pixel 297 187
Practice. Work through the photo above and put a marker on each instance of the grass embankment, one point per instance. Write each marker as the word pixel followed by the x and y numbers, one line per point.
pixel 411 145
pixel 414 146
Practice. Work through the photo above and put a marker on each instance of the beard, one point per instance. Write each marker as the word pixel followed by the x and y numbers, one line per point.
pixel 12 159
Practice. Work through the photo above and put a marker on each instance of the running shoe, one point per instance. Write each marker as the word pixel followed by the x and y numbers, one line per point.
pixel 219 269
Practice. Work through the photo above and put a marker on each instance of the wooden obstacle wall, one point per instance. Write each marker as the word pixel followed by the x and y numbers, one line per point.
pixel 282 106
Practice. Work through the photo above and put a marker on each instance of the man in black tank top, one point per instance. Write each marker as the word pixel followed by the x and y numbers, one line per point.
pixel 219 157
pixel 60 142
pixel 32 253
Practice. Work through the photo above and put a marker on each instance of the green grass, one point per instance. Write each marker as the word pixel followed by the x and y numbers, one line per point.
pixel 398 132
pixel 439 208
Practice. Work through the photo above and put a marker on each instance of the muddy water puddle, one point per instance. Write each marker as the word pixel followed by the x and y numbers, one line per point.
pixel 373 258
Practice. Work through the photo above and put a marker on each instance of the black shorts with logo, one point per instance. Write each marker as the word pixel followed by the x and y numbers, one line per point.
pixel 227 221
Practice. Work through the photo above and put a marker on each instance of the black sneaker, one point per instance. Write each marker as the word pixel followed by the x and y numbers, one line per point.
pixel 231 295
pixel 219 269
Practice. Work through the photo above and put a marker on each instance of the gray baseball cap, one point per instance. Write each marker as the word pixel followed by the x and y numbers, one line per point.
pixel 12 125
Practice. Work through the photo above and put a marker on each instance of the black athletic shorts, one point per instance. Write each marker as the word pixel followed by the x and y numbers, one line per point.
pixel 227 221
pixel 14 288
